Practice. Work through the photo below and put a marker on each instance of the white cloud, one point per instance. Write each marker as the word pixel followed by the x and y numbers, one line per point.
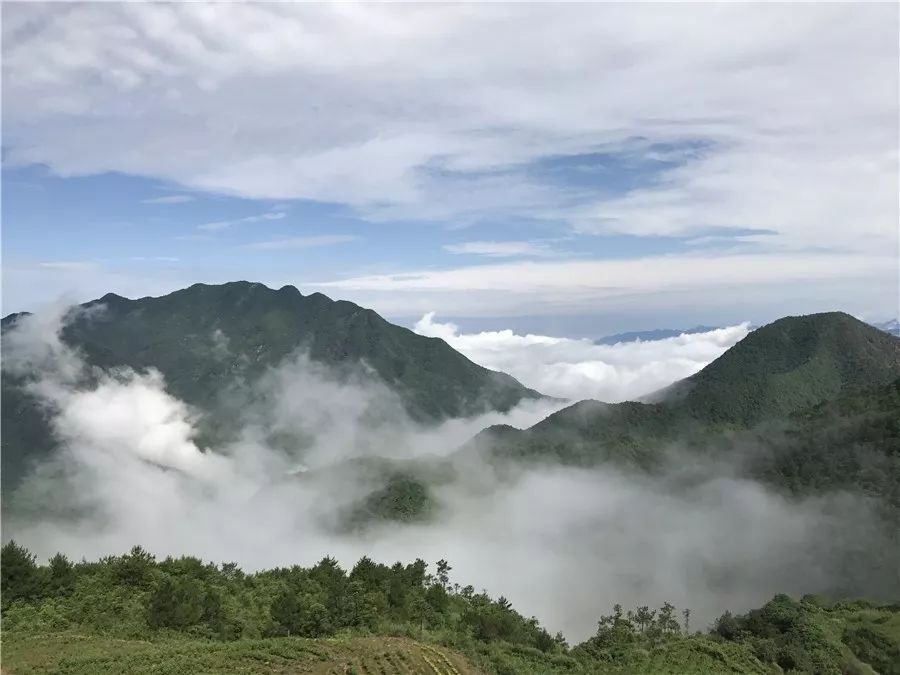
pixel 770 282
pixel 225 224
pixel 154 258
pixel 501 249
pixel 450 108
pixel 301 242
pixel 168 199
pixel 579 369
pixel 68 265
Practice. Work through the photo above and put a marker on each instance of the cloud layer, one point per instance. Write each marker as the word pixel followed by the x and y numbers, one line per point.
pixel 781 119
pixel 580 369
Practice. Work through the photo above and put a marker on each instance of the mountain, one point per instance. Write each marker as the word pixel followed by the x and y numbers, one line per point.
pixel 892 326
pixel 648 335
pixel 207 338
pixel 787 366
pixel 805 405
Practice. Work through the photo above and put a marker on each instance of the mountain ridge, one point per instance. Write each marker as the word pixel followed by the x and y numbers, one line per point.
pixel 207 338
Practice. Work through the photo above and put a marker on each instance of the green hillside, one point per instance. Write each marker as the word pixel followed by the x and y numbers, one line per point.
pixel 134 614
pixel 207 340
pixel 793 364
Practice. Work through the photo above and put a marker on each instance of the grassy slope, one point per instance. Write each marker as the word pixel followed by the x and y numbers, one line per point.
pixel 846 638
pixel 96 655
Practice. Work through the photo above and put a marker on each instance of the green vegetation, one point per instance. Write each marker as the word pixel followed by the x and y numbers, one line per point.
pixel 132 613
pixel 81 654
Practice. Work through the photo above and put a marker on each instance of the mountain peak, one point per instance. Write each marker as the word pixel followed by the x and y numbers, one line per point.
pixel 790 363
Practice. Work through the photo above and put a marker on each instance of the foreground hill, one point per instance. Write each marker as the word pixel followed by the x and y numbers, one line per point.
pixel 133 614
pixel 206 339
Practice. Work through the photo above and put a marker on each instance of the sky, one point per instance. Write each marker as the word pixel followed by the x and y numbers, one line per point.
pixel 566 170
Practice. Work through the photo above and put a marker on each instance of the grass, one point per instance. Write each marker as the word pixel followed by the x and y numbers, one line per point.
pixel 77 654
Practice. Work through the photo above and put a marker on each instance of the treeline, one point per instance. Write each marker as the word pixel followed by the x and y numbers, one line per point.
pixel 135 595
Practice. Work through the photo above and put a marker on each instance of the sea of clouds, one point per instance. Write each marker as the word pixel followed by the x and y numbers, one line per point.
pixel 578 369
pixel 562 544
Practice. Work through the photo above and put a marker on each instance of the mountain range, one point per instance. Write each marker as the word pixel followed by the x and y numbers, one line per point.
pixel 655 334
pixel 209 339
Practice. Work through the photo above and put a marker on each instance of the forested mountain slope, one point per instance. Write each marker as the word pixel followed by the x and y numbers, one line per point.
pixel 793 364
pixel 206 339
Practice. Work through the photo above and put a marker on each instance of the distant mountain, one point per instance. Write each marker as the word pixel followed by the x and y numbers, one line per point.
pixel 892 326
pixel 648 335
pixel 206 338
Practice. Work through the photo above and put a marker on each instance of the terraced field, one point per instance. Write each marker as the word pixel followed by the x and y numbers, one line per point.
pixel 76 654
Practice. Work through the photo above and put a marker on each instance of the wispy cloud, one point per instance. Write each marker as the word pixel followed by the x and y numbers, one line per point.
pixel 502 249
pixel 225 224
pixel 168 199
pixel 663 283
pixel 193 237
pixel 301 242
pixel 818 167
pixel 69 265
pixel 154 258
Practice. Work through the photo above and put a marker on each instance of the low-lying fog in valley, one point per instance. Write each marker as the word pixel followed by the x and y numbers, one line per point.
pixel 562 544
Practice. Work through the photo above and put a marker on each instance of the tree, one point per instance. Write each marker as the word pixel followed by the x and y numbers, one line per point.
pixel 175 603
pixel 286 612
pixel 643 617
pixel 21 577
pixel 62 575
pixel 134 568
pixel 687 621
pixel 419 608
pixel 727 626
pixel 560 640
pixel 666 619
pixel 443 572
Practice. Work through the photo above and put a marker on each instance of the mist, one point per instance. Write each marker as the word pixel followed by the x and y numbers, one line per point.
pixel 562 544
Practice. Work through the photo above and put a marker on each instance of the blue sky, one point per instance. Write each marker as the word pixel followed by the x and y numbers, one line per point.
pixel 460 163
